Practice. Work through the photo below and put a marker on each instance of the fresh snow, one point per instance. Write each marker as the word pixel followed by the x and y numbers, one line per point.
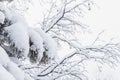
pixel 5 75
pixel 19 36
pixel 37 43
pixel 17 31
pixel 15 71
pixel 50 44
pixel 4 59
pixel 2 17
pixel 15 60
pixel 8 69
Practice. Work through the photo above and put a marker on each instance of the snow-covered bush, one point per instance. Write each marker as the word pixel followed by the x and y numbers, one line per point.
pixel 24 49
pixel 24 41
pixel 8 69
pixel 18 40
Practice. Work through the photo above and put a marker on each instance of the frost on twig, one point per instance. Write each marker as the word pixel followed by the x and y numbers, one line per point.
pixel 39 44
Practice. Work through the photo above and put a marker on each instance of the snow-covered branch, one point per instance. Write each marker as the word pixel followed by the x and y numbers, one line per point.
pixel 61 15
pixel 33 49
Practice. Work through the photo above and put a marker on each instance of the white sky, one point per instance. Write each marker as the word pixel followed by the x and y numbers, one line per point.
pixel 105 17
pixel 108 13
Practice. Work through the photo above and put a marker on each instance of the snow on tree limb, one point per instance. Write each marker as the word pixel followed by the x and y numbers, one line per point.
pixel 4 59
pixel 2 18
pixel 24 41
pixel 19 38
pixel 36 44
pixel 49 43
pixel 8 69
pixel 5 75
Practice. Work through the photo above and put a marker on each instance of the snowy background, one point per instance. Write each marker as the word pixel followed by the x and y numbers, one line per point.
pixel 103 17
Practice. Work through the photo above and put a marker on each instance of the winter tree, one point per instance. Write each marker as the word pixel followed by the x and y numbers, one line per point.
pixel 29 52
